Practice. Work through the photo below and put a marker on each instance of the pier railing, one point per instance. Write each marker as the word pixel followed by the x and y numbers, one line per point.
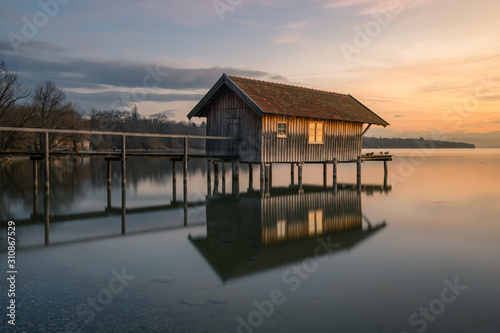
pixel 118 156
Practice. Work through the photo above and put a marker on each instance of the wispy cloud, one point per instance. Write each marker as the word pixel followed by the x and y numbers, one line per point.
pixel 292 33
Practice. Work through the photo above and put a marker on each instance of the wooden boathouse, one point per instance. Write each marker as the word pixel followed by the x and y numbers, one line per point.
pixel 279 123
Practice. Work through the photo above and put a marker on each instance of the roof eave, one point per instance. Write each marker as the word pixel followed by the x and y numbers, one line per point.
pixel 382 123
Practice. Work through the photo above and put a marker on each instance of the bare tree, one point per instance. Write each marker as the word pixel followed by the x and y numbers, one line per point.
pixel 11 92
pixel 53 111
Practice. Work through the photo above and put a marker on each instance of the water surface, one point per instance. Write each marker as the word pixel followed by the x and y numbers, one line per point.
pixel 375 259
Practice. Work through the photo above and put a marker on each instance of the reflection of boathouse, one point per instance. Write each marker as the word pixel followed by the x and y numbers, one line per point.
pixel 251 233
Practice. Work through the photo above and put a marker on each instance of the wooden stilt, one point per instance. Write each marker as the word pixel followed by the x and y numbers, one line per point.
pixel 385 174
pixel 108 172
pixel 324 174
pixel 35 202
pixel 300 167
pixel 262 178
pixel 236 178
pixel 270 175
pixel 174 181
pixel 124 210
pixel 46 160
pixel 108 206
pixel 292 174
pixel 46 204
pixel 216 177
pixel 124 162
pixel 223 177
pixel 35 174
pixel 335 175
pixel 185 161
pixel 250 177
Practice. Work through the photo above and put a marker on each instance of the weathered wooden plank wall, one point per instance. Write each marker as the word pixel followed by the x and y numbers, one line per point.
pixel 341 140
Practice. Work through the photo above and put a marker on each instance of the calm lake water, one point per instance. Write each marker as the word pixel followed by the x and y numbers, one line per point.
pixel 420 255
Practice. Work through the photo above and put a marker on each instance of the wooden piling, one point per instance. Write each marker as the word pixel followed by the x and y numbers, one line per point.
pixel 270 175
pixel 209 177
pixel 46 204
pixel 108 171
pixel 35 174
pixel 292 174
pixel 385 174
pixel 236 178
pixel 124 162
pixel 174 181
pixel 324 174
pixel 185 161
pixel 300 167
pixel 46 160
pixel 262 177
pixel 223 177
pixel 216 177
pixel 124 210
pixel 35 202
pixel 108 206
pixel 250 176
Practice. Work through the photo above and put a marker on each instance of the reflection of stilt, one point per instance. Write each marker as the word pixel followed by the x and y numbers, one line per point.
pixel 124 210
pixel 46 204
pixel 185 180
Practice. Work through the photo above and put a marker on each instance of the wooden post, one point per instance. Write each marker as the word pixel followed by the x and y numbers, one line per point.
pixel 35 202
pixel 270 175
pixel 35 174
pixel 46 152
pixel 209 177
pixel 300 166
pixel 174 181
pixel 108 171
pixel 223 177
pixel 335 175
pixel 324 174
pixel 268 166
pixel 185 161
pixel 262 178
pixel 250 176
pixel 358 180
pixel 385 174
pixel 124 162
pixel 292 174
pixel 216 177
pixel 236 178
pixel 108 207
pixel 46 204
pixel 124 210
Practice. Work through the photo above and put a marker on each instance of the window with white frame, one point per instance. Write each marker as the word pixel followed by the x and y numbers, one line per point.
pixel 315 132
pixel 281 130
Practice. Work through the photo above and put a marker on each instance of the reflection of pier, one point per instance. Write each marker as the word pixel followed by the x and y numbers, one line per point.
pixel 251 233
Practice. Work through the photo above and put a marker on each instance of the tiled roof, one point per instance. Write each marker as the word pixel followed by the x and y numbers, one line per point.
pixel 287 100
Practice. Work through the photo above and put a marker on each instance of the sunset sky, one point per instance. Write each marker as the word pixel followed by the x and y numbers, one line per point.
pixel 421 65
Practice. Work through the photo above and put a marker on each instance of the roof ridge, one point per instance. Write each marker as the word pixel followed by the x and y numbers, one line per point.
pixel 289 85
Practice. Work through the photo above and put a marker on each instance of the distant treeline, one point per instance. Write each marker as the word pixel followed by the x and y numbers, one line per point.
pixel 124 121
pixel 372 142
